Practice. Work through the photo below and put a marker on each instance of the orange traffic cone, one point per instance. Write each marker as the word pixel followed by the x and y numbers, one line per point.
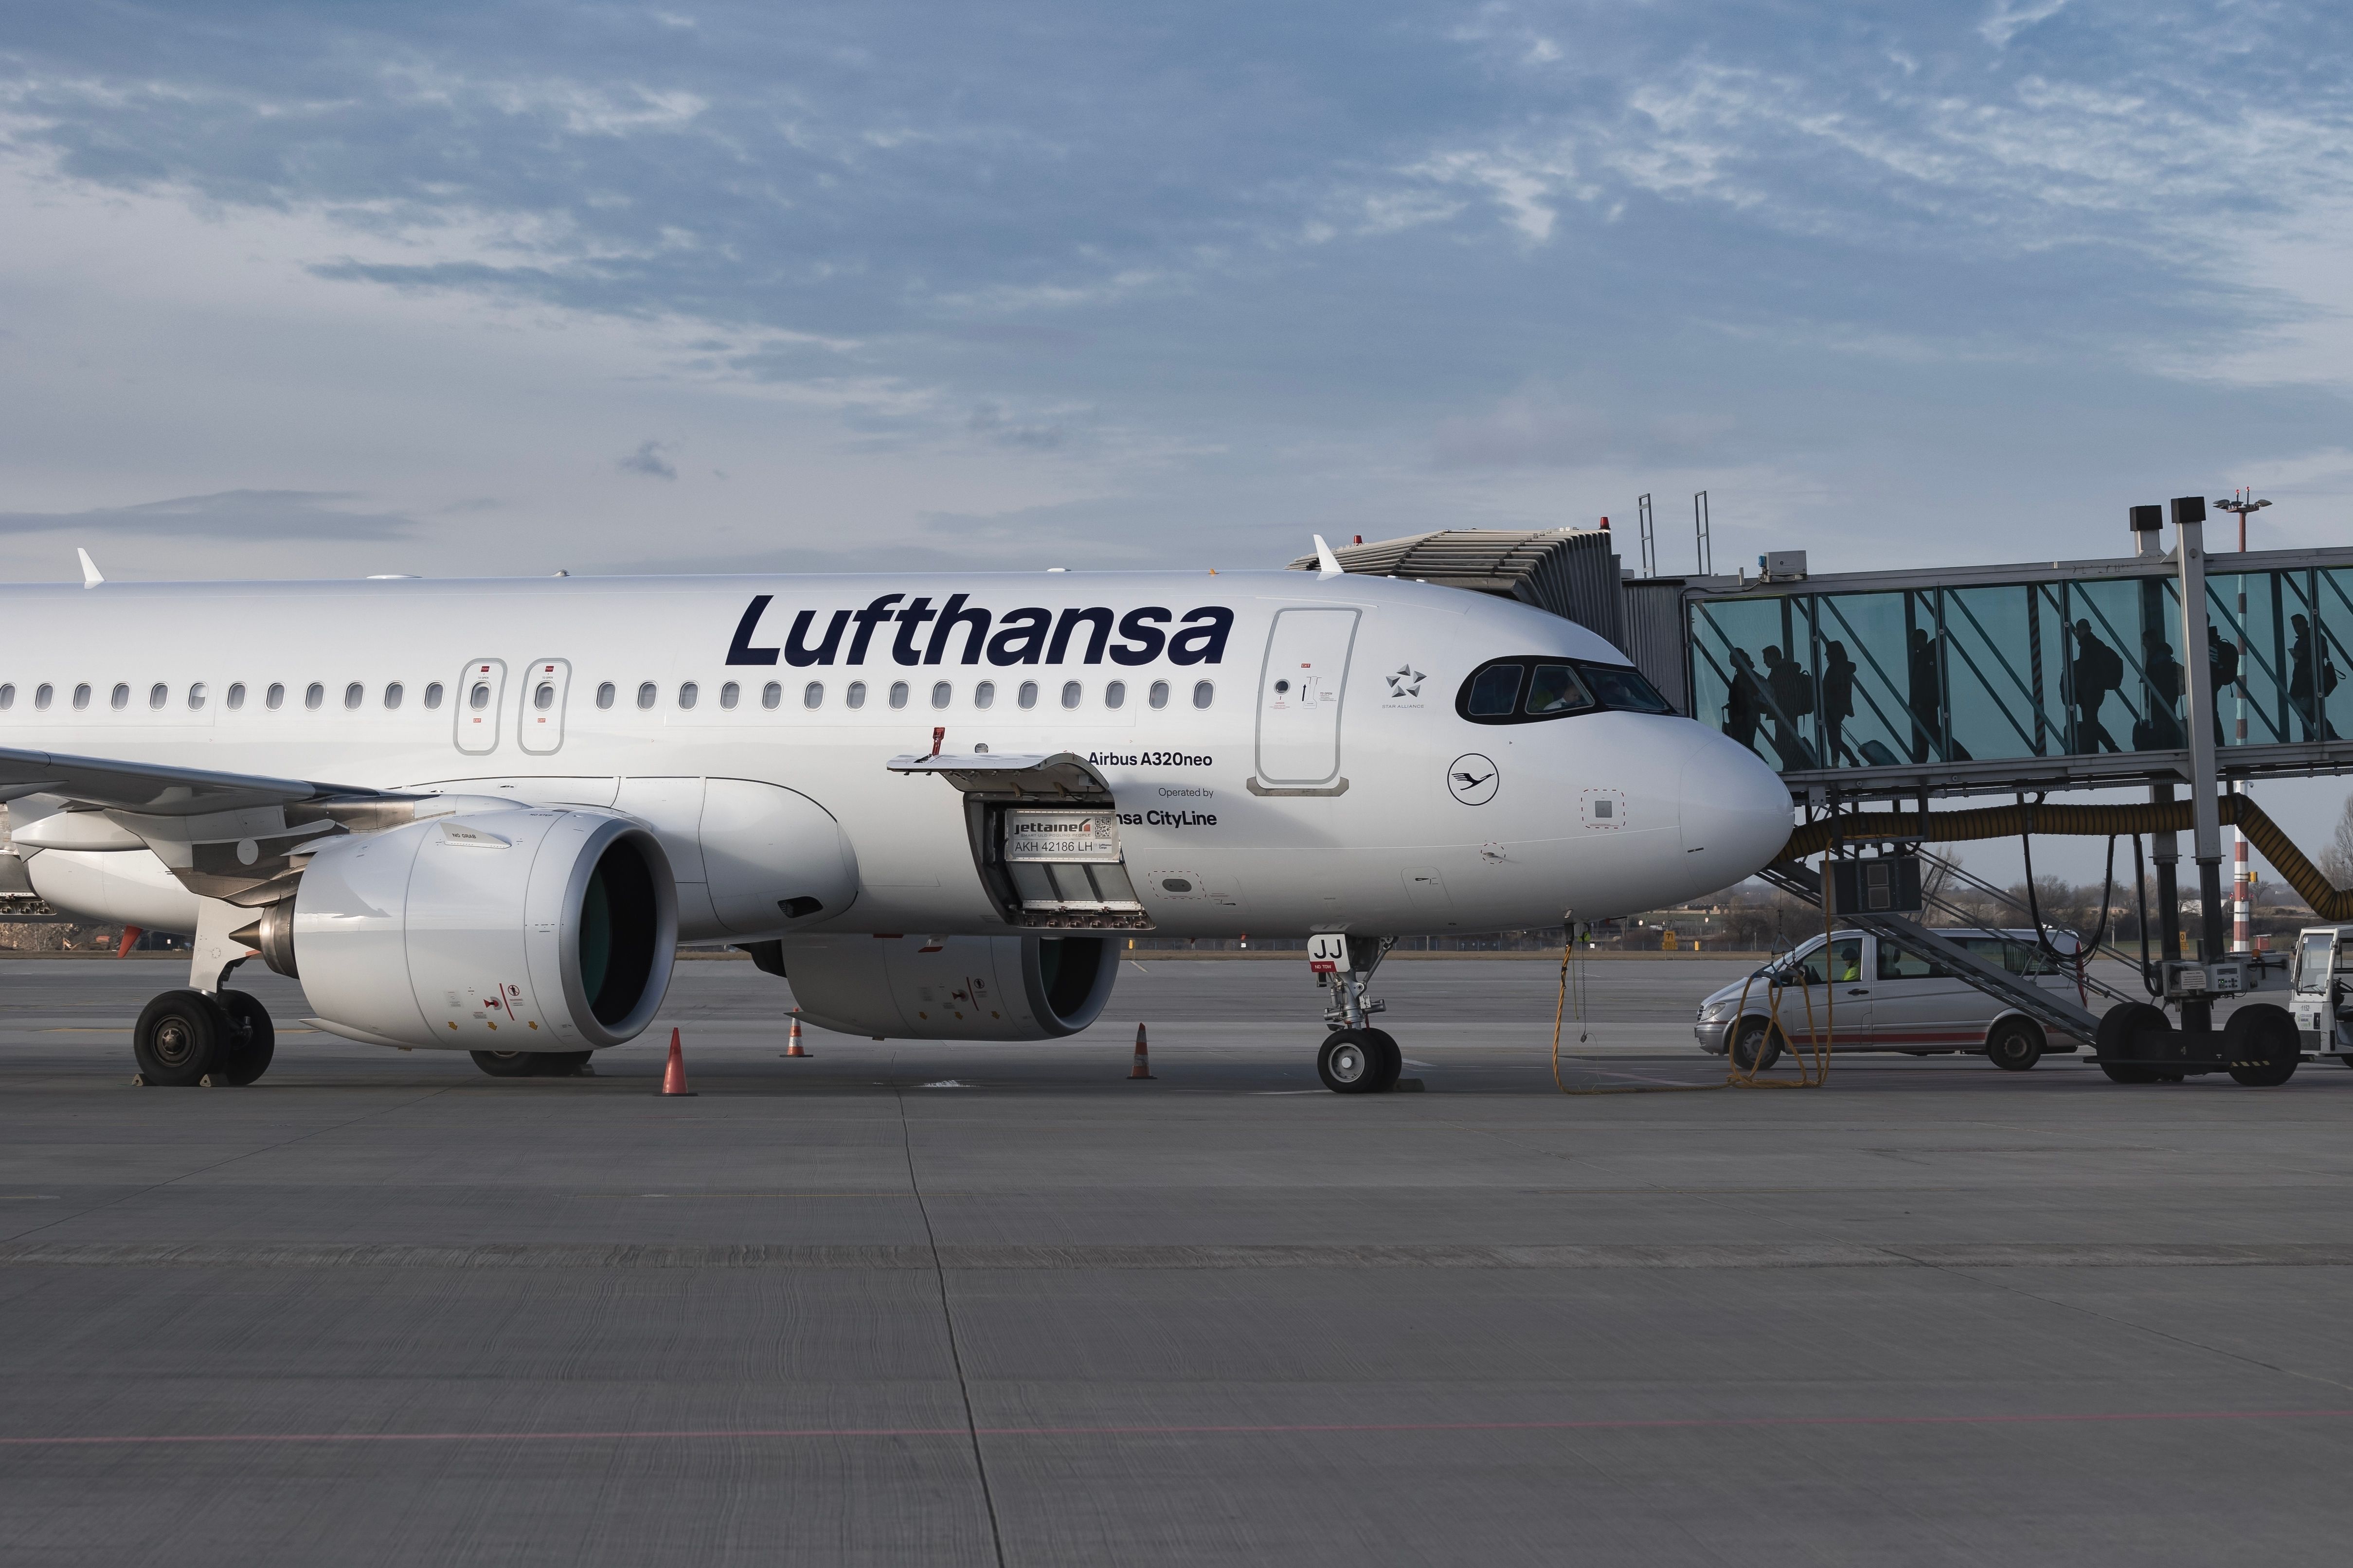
pixel 792 1042
pixel 675 1071
pixel 1143 1067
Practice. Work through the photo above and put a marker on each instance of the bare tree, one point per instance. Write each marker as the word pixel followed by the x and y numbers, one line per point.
pixel 2337 860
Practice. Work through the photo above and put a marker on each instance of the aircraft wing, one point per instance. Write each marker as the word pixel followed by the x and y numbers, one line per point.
pixel 150 789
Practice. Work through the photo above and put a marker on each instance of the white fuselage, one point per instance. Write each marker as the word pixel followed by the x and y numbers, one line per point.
pixel 1325 806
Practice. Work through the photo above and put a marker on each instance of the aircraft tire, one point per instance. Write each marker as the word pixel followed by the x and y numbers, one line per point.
pixel 248 1042
pixel 2262 1045
pixel 1392 1059
pixel 1350 1062
pixel 177 1040
pixel 2015 1047
pixel 561 1064
pixel 507 1063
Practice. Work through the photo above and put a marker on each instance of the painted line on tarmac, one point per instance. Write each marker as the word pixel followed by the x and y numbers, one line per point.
pixel 1337 1428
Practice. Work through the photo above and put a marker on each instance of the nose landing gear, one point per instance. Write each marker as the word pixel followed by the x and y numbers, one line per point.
pixel 1355 1058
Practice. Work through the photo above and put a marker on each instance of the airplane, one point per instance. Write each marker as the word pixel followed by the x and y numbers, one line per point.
pixel 481 815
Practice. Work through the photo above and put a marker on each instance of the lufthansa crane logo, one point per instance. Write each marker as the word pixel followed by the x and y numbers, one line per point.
pixel 1470 779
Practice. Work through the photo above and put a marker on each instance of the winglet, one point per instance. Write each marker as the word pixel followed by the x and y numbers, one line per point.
pixel 1327 564
pixel 90 575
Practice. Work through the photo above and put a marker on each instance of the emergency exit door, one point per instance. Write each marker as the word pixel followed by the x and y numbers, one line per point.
pixel 1299 697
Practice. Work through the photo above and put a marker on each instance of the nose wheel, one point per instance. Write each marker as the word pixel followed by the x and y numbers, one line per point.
pixel 1359 1061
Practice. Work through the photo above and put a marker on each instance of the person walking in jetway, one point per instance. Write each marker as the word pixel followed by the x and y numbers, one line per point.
pixel 2308 698
pixel 2098 669
pixel 2221 672
pixel 1838 704
pixel 1791 691
pixel 1745 704
pixel 2161 677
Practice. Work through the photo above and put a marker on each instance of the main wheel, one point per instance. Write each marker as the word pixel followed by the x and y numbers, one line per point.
pixel 2120 1046
pixel 561 1064
pixel 1755 1046
pixel 177 1039
pixel 507 1063
pixel 1392 1059
pixel 2015 1045
pixel 2262 1045
pixel 1350 1062
pixel 248 1042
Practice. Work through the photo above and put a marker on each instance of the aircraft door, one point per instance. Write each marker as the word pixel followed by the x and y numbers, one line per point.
pixel 481 690
pixel 1299 696
pixel 543 693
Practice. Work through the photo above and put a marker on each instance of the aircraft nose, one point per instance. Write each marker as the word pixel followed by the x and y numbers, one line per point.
pixel 1735 811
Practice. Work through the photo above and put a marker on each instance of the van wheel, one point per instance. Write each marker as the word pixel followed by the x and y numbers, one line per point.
pixel 1755 1046
pixel 2015 1045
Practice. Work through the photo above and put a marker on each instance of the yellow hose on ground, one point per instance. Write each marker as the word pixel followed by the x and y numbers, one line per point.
pixel 2328 901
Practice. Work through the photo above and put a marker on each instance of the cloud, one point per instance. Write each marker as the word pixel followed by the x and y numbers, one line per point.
pixel 1538 429
pixel 2010 17
pixel 226 515
pixel 649 460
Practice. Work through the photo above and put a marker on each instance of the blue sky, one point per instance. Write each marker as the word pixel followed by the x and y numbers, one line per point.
pixel 333 288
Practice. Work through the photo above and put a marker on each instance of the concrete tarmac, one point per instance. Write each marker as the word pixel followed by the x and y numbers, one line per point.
pixel 995 1304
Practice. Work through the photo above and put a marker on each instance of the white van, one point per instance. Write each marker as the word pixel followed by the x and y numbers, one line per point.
pixel 1889 999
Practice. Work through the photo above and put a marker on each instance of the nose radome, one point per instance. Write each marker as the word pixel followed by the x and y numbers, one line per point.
pixel 1735 811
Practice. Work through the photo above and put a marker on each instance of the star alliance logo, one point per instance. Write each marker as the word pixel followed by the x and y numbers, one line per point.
pixel 1405 682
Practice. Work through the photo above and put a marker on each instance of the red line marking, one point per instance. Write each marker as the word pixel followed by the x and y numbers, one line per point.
pixel 1666 1424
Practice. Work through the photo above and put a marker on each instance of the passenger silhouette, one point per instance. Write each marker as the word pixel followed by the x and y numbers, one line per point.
pixel 2221 674
pixel 1791 693
pixel 1926 696
pixel 2308 698
pixel 1838 705
pixel 2162 674
pixel 1746 702
pixel 2098 669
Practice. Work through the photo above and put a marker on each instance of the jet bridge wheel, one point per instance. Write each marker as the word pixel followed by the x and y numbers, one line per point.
pixel 1359 1061
pixel 178 1038
pixel 248 1042
pixel 2262 1045
pixel 2124 1035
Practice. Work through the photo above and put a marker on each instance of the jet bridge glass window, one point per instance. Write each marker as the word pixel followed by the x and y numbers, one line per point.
pixel 1530 689
pixel 122 696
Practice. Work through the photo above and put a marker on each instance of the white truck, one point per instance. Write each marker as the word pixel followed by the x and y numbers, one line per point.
pixel 2322 981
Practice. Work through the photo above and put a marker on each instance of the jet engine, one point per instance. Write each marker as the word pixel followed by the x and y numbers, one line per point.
pixel 947 988
pixel 499 931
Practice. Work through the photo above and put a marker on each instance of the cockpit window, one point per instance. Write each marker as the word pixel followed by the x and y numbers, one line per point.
pixel 1526 690
pixel 1493 693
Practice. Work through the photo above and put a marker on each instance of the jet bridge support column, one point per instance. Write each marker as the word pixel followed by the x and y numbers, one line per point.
pixel 2198 718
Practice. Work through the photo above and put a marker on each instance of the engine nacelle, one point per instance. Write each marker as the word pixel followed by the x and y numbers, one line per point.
pixel 951 988
pixel 493 931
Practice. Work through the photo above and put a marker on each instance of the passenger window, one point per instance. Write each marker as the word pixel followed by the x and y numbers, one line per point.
pixel 433 694
pixel 1071 694
pixel 604 694
pixel 983 694
pixel 1494 692
pixel 687 692
pixel 1028 696
pixel 941 693
pixel 729 693
pixel 121 697
pixel 43 694
pixel 276 698
pixel 1900 963
pixel 813 694
pixel 196 695
pixel 236 698
pixel 1553 688
pixel 81 696
pixel 770 694
pixel 8 697
pixel 1116 694
pixel 856 694
pixel 1204 693
pixel 315 694
pixel 646 694
pixel 393 693
pixel 1159 696
pixel 355 694
pixel 898 694
pixel 158 694
pixel 1845 962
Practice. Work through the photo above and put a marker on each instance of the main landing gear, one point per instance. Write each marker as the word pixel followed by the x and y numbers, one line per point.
pixel 1357 1059
pixel 205 1036
pixel 531 1064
